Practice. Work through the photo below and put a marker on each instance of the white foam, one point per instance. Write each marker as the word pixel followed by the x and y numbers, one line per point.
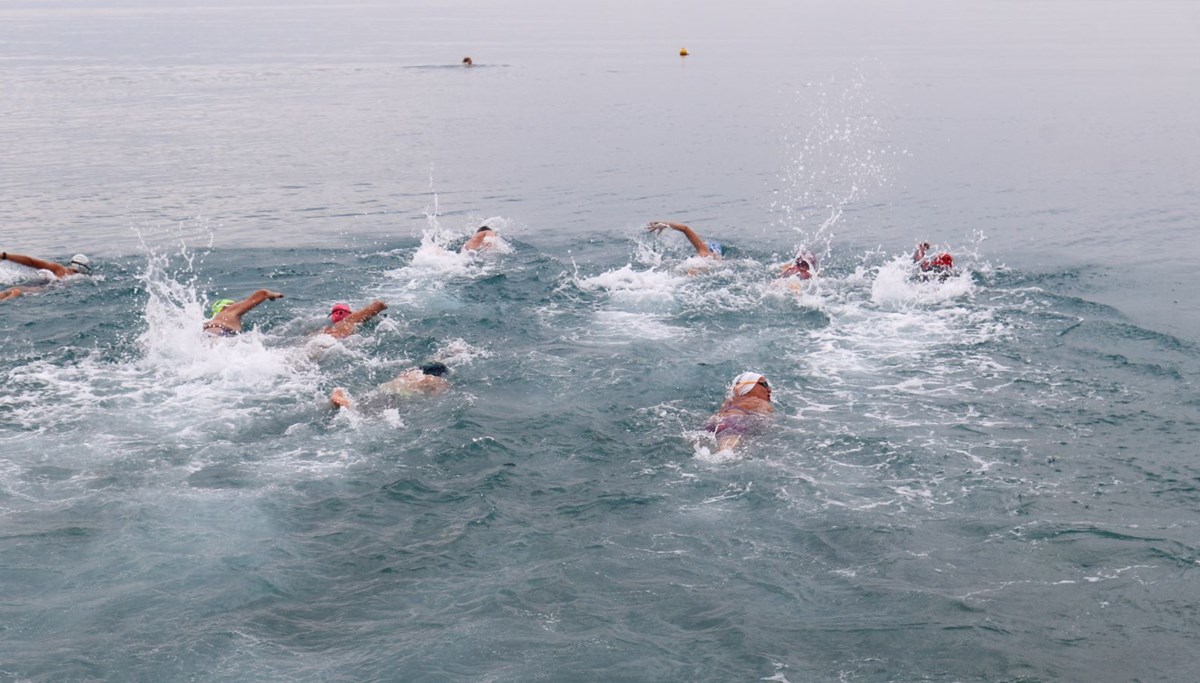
pixel 456 352
pixel 176 348
pixel 433 260
pixel 805 293
pixel 710 457
pixel 626 326
pixel 13 274
pixel 894 285
pixel 183 385
pixel 635 287
pixel 433 264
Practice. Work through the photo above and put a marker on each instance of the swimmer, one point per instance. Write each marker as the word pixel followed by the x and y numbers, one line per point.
pixel 940 265
pixel 467 61
pixel 79 265
pixel 226 320
pixel 345 322
pixel 426 380
pixel 749 401
pixel 483 240
pixel 804 267
pixel 704 249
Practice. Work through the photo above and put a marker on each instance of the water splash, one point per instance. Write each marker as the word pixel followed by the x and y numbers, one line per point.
pixel 894 285
pixel 839 155
pixel 434 262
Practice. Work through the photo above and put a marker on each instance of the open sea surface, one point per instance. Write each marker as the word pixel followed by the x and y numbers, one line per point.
pixel 994 478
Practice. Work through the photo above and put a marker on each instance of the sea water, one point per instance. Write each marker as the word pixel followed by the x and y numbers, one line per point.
pixel 990 478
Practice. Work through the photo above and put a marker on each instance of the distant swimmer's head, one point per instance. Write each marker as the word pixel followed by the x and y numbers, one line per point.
pixel 80 264
pixel 220 305
pixel 715 247
pixel 339 312
pixel 746 382
pixel 434 368
pixel 485 229
pixel 467 61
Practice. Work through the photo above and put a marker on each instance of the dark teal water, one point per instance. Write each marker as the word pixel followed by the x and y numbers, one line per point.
pixel 989 479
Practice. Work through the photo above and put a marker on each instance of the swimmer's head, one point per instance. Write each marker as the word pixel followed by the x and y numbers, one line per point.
pixel 485 229
pixel 744 383
pixel 715 248
pixel 806 261
pixel 339 312
pixel 435 369
pixel 468 61
pixel 80 264
pixel 221 305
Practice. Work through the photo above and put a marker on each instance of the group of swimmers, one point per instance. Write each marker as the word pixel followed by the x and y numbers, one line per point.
pixel 748 400
pixel 427 379
pixel 804 266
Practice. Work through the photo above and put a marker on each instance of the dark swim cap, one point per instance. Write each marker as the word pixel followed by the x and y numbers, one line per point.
pixel 483 228
pixel 435 368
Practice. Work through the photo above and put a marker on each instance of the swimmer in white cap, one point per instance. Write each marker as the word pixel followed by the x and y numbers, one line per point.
pixel 79 265
pixel 749 401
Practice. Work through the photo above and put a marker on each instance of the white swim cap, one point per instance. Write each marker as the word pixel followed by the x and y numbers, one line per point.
pixel 743 383
pixel 80 261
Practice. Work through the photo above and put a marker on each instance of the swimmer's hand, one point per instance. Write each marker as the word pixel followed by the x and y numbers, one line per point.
pixel 271 296
pixel 339 398
pixel 657 226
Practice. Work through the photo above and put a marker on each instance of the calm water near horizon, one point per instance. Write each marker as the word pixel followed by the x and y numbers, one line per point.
pixel 989 479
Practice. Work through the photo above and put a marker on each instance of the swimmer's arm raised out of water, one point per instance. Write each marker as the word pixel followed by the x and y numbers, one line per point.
pixel 32 262
pixel 348 325
pixel 230 317
pixel 244 306
pixel 701 248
